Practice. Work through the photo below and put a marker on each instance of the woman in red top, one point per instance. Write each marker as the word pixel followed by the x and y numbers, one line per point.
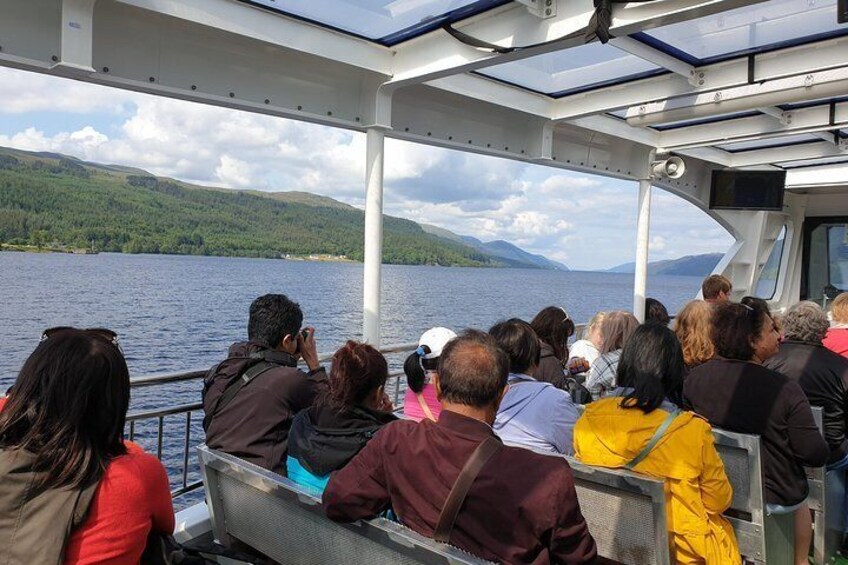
pixel 837 336
pixel 61 429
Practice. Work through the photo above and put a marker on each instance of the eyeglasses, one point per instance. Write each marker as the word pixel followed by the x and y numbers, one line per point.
pixel 104 333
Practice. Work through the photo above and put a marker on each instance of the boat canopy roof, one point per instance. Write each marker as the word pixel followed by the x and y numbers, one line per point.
pixel 730 83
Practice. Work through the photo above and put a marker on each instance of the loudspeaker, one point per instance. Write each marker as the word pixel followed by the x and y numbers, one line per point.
pixel 672 167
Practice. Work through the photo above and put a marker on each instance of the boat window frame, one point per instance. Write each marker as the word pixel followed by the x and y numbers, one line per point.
pixel 777 290
pixel 810 224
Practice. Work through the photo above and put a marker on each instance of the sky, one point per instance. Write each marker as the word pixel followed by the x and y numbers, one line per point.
pixel 586 221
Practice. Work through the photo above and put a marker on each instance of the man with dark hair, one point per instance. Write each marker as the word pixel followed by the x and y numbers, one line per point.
pixel 413 466
pixel 533 413
pixel 716 289
pixel 250 398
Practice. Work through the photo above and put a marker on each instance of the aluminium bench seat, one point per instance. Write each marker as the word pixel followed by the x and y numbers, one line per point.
pixel 626 514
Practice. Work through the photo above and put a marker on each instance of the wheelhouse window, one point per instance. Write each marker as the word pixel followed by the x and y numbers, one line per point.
pixel 767 284
pixel 826 259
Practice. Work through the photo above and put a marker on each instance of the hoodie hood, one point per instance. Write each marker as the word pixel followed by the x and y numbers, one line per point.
pixel 324 440
pixel 610 435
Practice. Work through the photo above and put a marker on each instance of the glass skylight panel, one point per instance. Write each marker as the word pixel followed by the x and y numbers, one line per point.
pixel 578 68
pixel 822 161
pixel 770 142
pixel 765 25
pixel 373 19
pixel 701 121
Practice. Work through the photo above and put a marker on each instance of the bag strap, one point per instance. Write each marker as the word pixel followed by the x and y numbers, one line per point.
pixel 654 440
pixel 423 403
pixel 490 446
pixel 234 386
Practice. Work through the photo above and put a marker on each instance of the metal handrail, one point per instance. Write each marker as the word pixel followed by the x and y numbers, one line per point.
pixel 159 414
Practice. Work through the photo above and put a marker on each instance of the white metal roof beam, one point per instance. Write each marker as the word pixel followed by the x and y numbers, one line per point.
pixel 798 88
pixel 768 66
pixel 482 88
pixel 803 152
pixel 655 56
pixel 815 119
pixel 248 21
pixel 437 54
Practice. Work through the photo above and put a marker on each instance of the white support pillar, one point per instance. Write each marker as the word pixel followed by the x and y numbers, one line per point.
pixel 372 284
pixel 643 232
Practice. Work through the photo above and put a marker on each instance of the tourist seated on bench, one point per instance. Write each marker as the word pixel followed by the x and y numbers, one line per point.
pixel 736 393
pixel 693 327
pixel 71 490
pixel 251 397
pixel 420 400
pixel 822 374
pixel 616 329
pixel 324 437
pixel 532 414
pixel 837 336
pixel 553 327
pixel 519 506
pixel 643 428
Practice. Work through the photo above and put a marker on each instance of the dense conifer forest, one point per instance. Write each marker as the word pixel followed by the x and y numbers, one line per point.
pixel 52 201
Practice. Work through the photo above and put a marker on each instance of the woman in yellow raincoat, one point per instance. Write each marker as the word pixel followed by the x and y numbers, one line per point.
pixel 643 428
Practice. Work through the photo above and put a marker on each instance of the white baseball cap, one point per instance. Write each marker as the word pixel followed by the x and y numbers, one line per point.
pixel 435 339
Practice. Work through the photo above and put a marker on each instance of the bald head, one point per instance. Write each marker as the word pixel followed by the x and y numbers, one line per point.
pixel 473 370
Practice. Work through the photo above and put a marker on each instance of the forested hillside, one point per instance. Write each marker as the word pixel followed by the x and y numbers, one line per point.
pixel 51 200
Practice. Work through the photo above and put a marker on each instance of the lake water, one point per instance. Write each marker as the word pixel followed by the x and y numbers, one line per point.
pixel 176 313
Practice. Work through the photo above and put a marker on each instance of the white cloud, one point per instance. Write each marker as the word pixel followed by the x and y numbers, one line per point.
pixel 587 221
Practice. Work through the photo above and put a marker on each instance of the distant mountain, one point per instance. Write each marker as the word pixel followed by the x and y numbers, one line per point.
pixel 52 201
pixel 509 254
pixel 512 255
pixel 690 265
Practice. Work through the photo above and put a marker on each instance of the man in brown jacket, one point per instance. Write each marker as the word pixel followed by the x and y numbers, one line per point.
pixel 250 398
pixel 522 506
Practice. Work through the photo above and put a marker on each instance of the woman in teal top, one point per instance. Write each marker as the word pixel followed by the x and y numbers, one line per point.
pixel 326 436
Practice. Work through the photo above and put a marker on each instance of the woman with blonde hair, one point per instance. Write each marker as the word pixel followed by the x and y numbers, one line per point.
pixel 692 325
pixel 837 336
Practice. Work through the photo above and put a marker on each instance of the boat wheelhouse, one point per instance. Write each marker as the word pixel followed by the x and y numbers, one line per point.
pixel 665 94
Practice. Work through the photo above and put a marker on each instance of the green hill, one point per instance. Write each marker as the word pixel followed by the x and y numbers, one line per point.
pixel 52 200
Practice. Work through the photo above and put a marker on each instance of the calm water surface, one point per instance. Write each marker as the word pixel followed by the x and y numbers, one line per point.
pixel 176 313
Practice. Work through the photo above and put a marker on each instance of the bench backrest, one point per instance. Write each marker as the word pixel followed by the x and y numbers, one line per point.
pixel 626 513
pixel 761 538
pixel 286 522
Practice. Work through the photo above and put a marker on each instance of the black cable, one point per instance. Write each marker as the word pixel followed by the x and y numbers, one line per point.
pixel 598 28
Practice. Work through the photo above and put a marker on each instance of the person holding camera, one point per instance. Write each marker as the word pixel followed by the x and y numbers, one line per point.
pixel 250 398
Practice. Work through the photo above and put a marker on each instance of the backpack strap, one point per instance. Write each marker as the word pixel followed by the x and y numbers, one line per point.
pixel 490 446
pixel 654 440
pixel 234 386
pixel 424 407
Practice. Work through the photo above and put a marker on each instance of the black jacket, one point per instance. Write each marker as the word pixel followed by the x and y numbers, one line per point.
pixel 823 375
pixel 323 439
pixel 747 398
pixel 550 368
pixel 255 424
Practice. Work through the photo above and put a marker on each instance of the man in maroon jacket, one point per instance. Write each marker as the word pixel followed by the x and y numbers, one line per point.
pixel 522 506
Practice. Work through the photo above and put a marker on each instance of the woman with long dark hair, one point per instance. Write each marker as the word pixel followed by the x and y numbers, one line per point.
pixel 553 326
pixel 642 427
pixel 72 490
pixel 327 435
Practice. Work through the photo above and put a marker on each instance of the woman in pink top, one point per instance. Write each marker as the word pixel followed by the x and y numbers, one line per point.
pixel 837 336
pixel 420 401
